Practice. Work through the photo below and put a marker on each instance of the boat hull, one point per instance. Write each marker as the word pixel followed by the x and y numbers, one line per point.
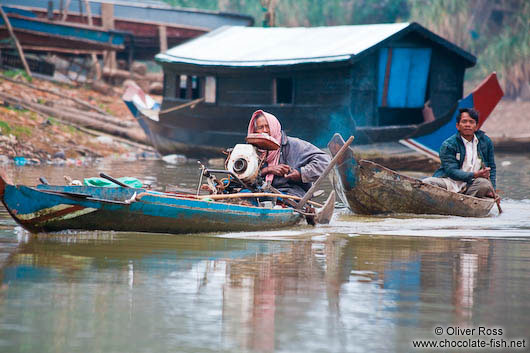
pixel 56 208
pixel 38 34
pixel 369 188
pixel 203 130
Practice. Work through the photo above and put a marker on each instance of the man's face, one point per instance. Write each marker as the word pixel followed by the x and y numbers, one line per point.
pixel 467 126
pixel 262 125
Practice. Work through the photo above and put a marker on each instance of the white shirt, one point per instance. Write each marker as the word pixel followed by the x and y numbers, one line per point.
pixel 472 163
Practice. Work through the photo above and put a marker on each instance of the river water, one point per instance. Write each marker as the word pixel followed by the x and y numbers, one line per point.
pixel 359 284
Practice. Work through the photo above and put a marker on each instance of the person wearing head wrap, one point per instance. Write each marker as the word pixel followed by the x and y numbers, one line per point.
pixel 295 165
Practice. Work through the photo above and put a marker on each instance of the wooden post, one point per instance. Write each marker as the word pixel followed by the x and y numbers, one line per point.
pixel 65 10
pixel 107 20
pixel 17 44
pixel 163 37
pixel 95 63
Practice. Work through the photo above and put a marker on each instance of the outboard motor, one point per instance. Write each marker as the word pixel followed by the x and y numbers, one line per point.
pixel 244 162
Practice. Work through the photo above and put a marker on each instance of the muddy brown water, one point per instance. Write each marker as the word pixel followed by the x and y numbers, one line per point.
pixel 359 284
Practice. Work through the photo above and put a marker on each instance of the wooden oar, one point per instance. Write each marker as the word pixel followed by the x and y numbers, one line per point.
pixel 115 181
pixel 496 197
pixel 330 166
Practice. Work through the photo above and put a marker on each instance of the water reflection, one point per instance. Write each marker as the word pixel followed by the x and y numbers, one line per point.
pixel 360 284
pixel 129 292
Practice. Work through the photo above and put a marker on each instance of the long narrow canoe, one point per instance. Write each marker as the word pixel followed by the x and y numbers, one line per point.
pixel 369 188
pixel 43 35
pixel 47 208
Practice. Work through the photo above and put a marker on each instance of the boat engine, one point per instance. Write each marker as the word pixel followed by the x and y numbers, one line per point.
pixel 244 162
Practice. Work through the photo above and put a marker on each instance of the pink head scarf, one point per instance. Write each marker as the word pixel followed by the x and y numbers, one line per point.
pixel 273 157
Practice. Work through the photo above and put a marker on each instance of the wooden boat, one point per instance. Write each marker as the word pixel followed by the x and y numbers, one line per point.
pixel 47 208
pixel 483 98
pixel 369 188
pixel 144 22
pixel 187 139
pixel 41 34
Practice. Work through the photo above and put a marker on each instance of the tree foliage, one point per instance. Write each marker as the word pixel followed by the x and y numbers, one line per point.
pixel 497 32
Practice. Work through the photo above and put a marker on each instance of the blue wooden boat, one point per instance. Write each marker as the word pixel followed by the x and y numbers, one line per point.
pixel 368 188
pixel 47 208
pixel 140 19
pixel 35 33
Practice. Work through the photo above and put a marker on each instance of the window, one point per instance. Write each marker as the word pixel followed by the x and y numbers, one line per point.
pixel 283 90
pixel 209 89
pixel 193 87
pixel 180 86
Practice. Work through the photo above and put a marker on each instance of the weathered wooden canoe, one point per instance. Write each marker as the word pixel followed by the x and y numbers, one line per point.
pixel 47 208
pixel 39 34
pixel 369 188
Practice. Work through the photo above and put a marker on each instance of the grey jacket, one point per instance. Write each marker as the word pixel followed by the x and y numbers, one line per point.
pixel 308 159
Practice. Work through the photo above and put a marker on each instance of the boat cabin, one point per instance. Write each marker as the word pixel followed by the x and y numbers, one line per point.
pixel 317 80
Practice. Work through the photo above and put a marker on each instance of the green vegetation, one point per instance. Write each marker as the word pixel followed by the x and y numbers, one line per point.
pixel 17 72
pixel 15 130
pixel 497 32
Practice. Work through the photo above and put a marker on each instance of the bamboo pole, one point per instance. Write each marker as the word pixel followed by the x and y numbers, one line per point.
pixel 255 194
pixel 192 104
pixel 17 44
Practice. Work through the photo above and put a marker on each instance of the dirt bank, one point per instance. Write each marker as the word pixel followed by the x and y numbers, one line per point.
pixel 509 126
pixel 509 119
pixel 37 137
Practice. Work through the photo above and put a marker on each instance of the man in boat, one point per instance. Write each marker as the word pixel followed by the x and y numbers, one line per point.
pixel 295 165
pixel 468 162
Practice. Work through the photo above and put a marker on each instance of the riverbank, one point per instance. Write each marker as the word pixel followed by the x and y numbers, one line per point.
pixel 32 134
pixel 40 126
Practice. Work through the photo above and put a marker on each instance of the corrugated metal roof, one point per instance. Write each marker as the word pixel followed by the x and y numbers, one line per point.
pixel 235 46
pixel 256 46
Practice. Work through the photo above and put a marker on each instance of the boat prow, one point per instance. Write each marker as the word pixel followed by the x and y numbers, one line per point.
pixel 484 98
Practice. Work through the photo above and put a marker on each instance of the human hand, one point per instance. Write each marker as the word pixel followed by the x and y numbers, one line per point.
pixel 278 170
pixel 293 174
pixel 482 173
pixel 283 170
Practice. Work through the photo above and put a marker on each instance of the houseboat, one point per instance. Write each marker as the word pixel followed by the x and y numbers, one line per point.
pixel 380 82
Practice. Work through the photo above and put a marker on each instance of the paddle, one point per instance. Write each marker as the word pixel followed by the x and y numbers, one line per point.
pixel 115 181
pixel 330 166
pixel 496 196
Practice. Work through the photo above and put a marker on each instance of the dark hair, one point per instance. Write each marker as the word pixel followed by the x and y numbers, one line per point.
pixel 472 113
